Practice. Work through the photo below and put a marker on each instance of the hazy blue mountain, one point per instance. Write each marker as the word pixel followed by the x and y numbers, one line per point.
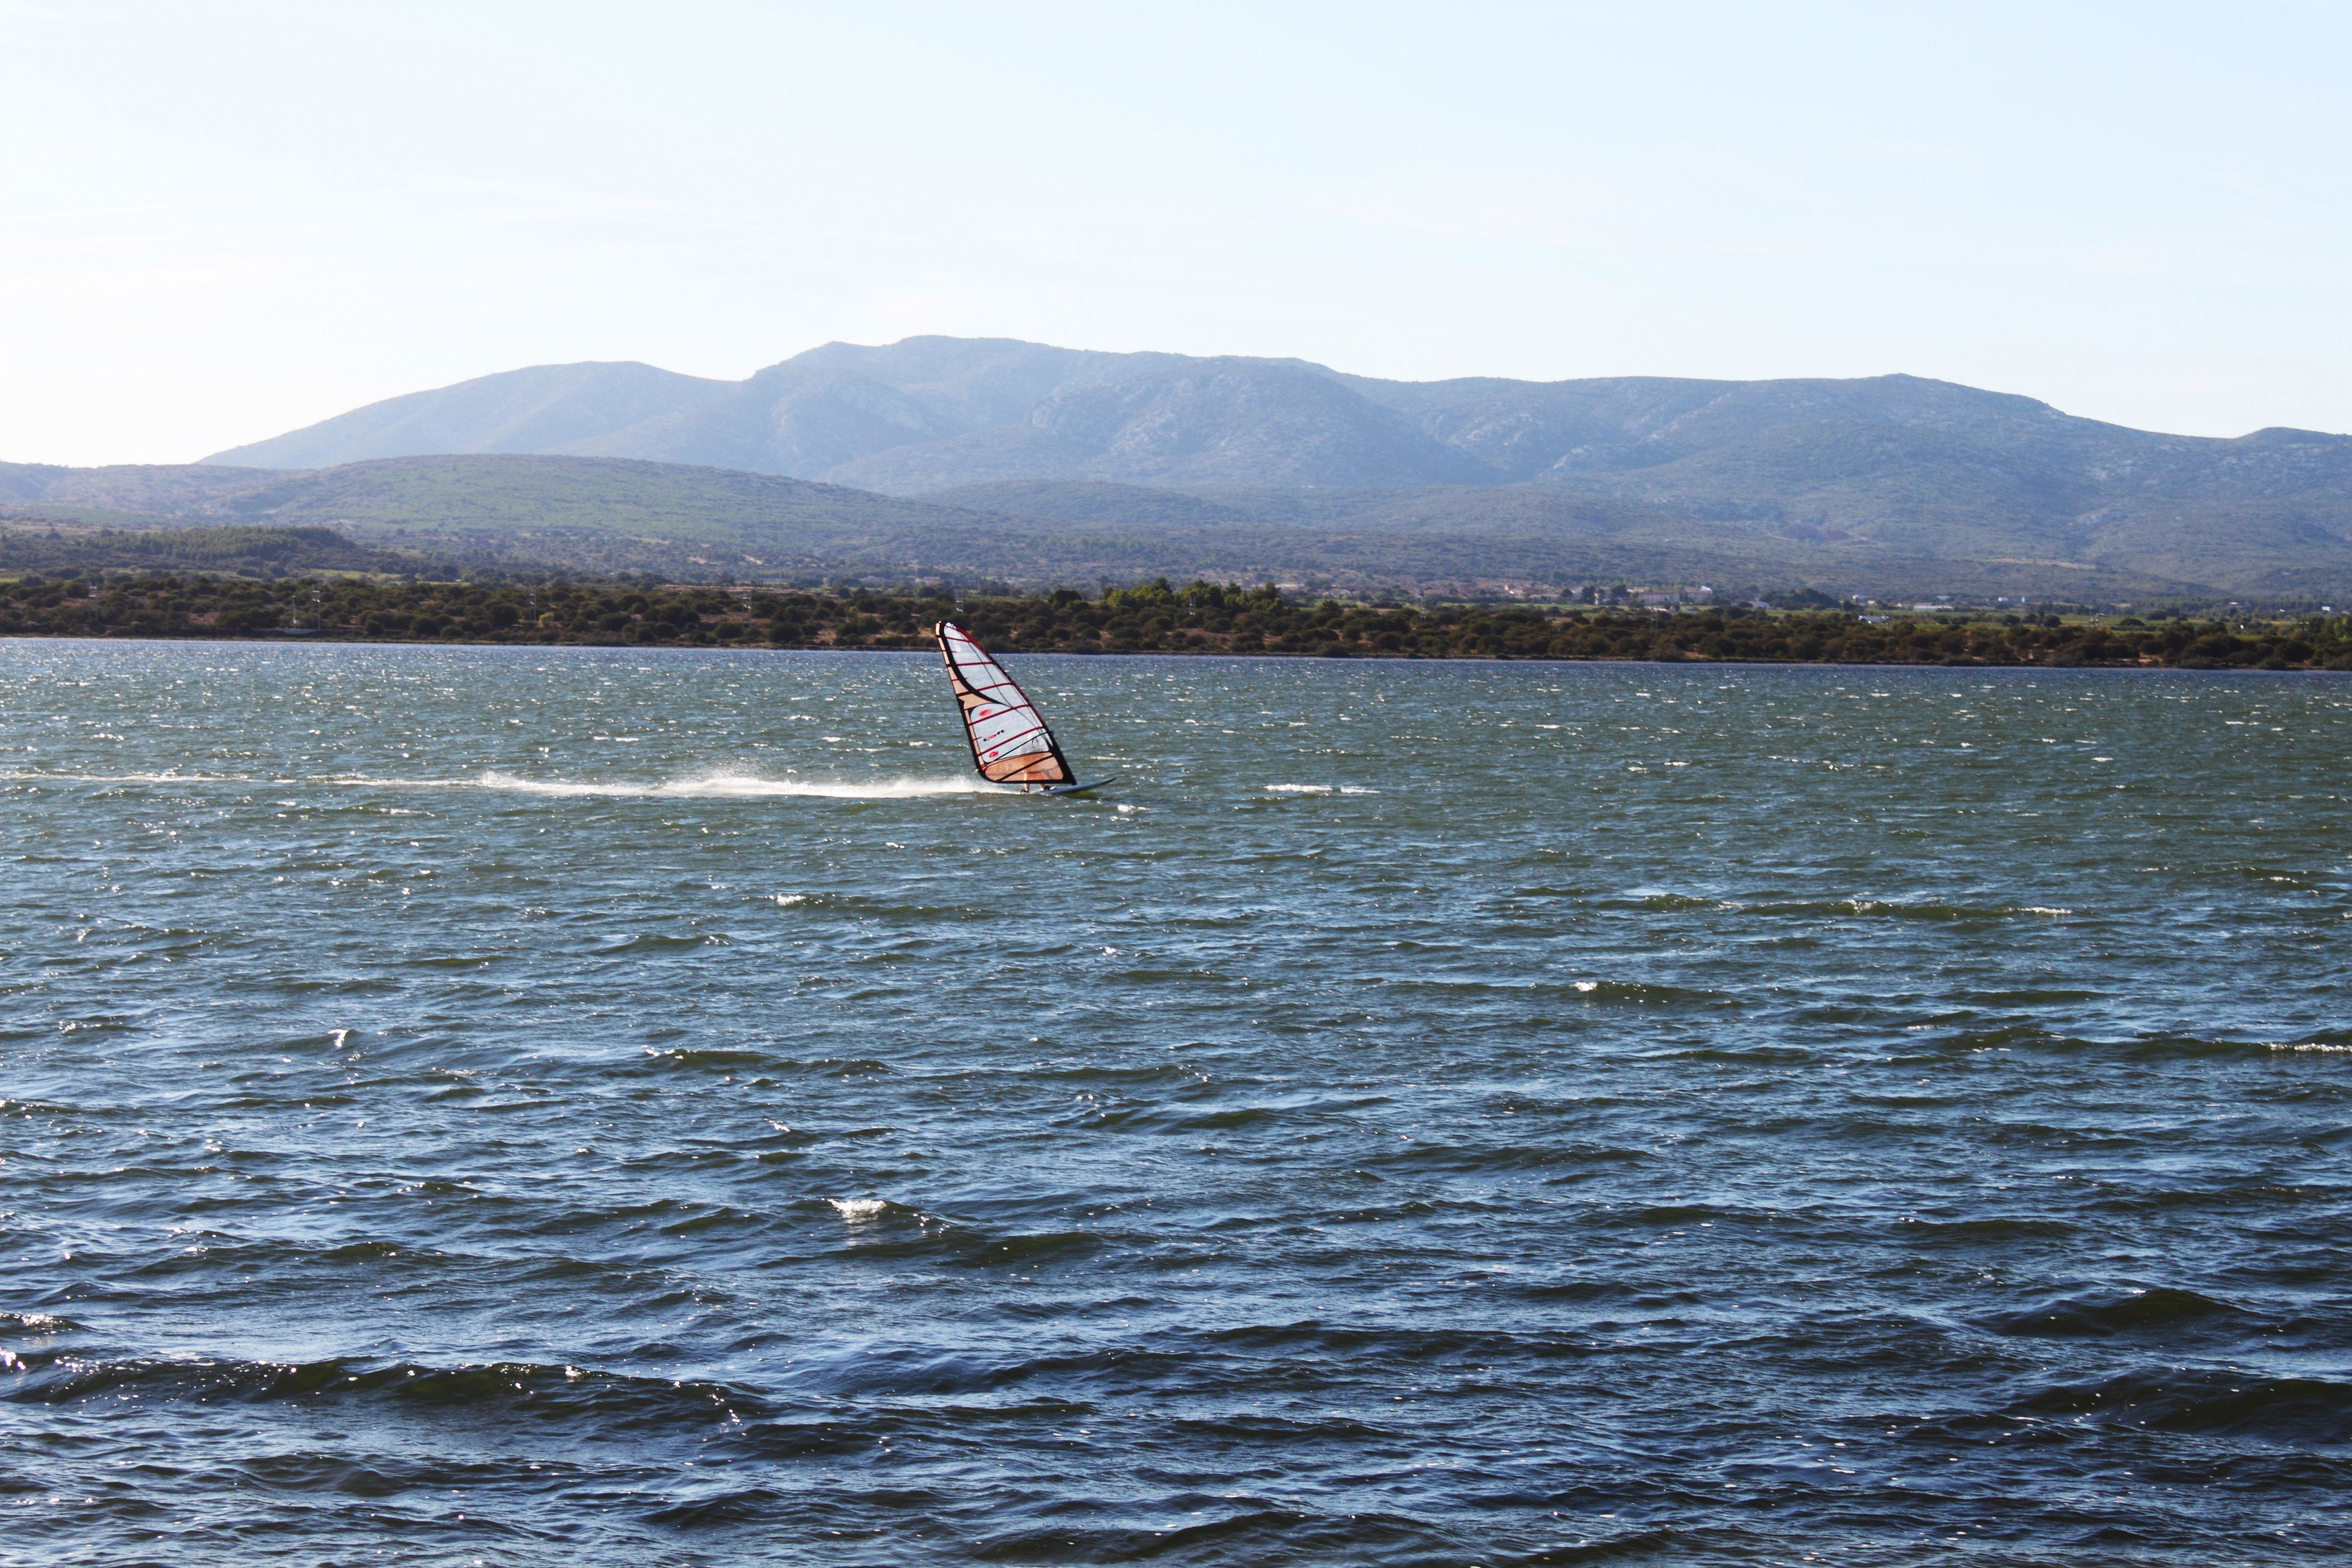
pixel 801 417
pixel 934 412
pixel 979 383
pixel 798 423
pixel 916 414
pixel 546 407
pixel 1223 421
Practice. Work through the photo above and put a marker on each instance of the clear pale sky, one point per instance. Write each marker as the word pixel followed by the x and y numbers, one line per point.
pixel 218 222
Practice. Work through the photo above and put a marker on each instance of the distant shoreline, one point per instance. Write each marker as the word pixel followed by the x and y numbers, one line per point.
pixel 283 640
pixel 1205 619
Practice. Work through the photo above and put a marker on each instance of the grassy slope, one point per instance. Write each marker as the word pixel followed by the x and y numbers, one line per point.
pixel 509 494
pixel 71 546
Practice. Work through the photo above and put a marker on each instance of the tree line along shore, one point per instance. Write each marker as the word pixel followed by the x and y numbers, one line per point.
pixel 1152 618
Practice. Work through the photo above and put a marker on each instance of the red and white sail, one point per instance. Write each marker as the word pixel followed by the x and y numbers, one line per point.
pixel 1010 742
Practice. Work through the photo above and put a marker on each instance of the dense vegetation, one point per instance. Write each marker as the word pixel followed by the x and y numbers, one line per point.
pixel 1206 617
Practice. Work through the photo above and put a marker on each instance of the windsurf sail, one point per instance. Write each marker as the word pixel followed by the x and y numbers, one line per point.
pixel 1010 742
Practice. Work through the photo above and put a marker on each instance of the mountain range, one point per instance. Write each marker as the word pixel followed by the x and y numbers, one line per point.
pixel 1037 462
pixel 929 414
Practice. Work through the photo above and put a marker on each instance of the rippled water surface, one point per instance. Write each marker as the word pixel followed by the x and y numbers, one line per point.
pixel 586 1107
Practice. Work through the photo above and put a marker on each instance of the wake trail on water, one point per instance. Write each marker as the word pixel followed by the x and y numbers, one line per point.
pixel 726 785
pixel 715 785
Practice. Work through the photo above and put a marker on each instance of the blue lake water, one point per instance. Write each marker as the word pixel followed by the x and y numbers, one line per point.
pixel 527 1106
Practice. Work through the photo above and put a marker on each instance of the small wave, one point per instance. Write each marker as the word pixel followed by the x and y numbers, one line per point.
pixel 2306 1410
pixel 1318 789
pixel 748 1505
pixel 883 1230
pixel 2160 1310
pixel 1637 992
pixel 1313 1337
pixel 609 1400
pixel 1577 1158
pixel 1898 908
